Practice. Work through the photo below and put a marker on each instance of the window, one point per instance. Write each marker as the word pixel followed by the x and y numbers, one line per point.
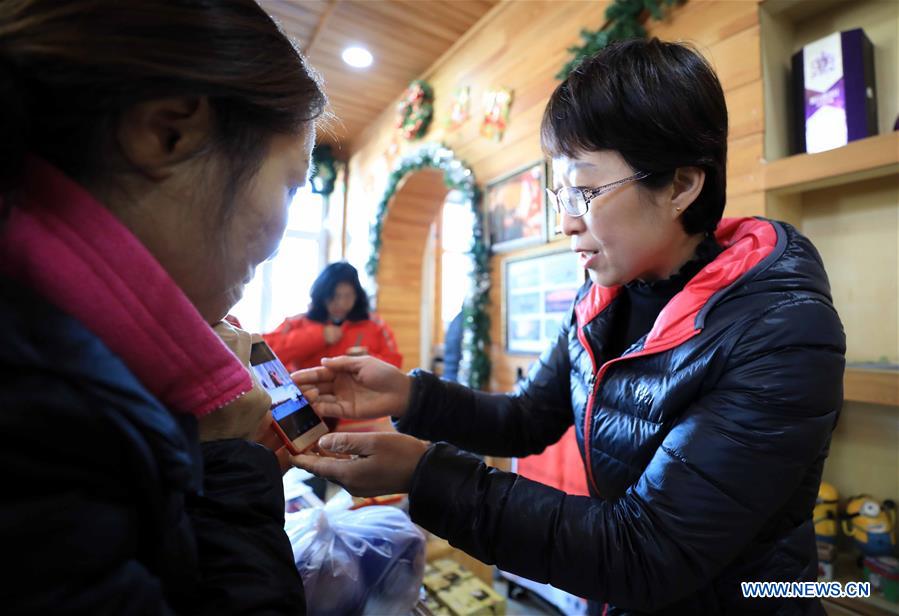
pixel 456 265
pixel 281 285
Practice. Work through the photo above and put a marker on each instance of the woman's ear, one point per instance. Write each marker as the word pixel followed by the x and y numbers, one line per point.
pixel 685 188
pixel 155 136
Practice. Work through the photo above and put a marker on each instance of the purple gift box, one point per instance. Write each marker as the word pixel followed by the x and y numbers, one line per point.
pixel 835 97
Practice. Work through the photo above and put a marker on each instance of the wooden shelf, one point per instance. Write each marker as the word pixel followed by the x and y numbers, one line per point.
pixel 797 10
pixel 868 385
pixel 864 159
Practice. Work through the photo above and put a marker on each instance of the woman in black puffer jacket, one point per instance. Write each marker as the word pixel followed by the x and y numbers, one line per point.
pixel 148 155
pixel 701 366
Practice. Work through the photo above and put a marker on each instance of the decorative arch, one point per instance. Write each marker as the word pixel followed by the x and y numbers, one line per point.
pixel 475 367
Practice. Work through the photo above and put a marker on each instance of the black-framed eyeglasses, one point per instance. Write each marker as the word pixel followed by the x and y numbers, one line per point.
pixel 576 199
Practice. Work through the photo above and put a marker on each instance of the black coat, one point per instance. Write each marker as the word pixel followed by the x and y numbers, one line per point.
pixel 109 505
pixel 704 448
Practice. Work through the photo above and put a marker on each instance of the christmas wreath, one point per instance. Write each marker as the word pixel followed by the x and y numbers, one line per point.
pixel 324 172
pixel 415 110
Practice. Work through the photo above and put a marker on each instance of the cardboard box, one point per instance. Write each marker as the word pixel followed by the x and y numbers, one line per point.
pixel 452 570
pixel 435 582
pixel 435 607
pixel 835 99
pixel 471 597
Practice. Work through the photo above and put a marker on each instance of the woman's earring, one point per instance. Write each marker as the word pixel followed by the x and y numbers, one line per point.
pixel 677 209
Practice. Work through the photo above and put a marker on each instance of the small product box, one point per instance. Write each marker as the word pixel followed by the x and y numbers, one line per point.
pixel 435 581
pixel 451 570
pixel 471 597
pixel 435 608
pixel 835 99
pixel 883 573
pixel 826 557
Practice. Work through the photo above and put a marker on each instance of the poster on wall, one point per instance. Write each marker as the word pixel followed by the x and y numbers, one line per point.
pixel 460 109
pixel 538 292
pixel 516 208
pixel 497 103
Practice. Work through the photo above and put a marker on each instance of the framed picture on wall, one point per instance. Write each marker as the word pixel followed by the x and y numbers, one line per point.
pixel 537 293
pixel 515 206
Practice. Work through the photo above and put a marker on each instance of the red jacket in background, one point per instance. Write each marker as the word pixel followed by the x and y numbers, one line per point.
pixel 300 342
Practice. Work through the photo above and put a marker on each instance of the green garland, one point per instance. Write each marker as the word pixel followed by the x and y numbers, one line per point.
pixel 475 367
pixel 415 110
pixel 624 20
pixel 324 171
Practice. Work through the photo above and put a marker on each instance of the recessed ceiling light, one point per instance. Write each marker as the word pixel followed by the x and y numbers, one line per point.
pixel 357 57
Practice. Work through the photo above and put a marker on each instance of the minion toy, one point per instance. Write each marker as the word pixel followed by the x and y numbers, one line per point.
pixel 825 514
pixel 870 525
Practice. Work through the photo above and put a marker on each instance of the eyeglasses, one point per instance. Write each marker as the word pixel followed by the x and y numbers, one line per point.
pixel 576 200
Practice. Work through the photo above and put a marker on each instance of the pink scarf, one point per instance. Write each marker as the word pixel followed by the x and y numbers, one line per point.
pixel 62 243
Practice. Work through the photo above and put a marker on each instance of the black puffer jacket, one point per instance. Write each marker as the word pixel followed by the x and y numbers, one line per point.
pixel 704 442
pixel 109 506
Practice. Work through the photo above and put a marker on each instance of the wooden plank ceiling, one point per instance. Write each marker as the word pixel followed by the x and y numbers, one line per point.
pixel 404 36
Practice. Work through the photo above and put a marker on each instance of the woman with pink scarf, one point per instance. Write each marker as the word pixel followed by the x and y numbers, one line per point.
pixel 148 154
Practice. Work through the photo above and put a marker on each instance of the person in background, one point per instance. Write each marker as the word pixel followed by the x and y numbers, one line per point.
pixel 701 365
pixel 452 348
pixel 148 154
pixel 338 322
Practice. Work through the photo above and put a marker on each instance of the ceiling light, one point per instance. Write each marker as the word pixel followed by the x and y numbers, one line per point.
pixel 357 57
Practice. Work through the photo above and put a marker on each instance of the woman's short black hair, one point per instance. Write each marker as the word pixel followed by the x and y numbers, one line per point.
pixel 660 105
pixel 326 284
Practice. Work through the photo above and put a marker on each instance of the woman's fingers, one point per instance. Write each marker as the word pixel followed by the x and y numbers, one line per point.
pixel 283 457
pixel 344 363
pixel 266 435
pixel 346 466
pixel 359 476
pixel 367 464
pixel 315 377
pixel 356 444
pixel 319 390
pixel 329 406
pixel 311 394
pixel 321 466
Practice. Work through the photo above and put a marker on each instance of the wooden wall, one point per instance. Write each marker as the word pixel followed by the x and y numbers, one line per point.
pixel 522 45
pixel 410 214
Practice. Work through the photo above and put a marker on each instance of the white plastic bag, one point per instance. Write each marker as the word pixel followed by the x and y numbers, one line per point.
pixel 367 561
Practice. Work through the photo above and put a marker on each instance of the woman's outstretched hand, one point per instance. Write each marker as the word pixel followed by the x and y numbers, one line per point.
pixel 369 463
pixel 356 388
